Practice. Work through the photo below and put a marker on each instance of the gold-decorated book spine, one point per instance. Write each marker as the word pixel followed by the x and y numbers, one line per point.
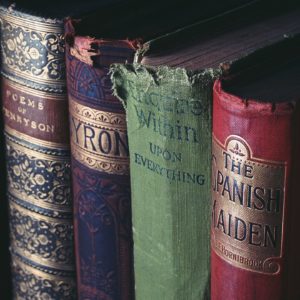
pixel 35 116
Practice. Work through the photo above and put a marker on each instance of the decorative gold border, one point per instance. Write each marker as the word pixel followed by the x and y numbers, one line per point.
pixel 270 261
pixel 41 274
pixel 95 155
pixel 60 82
pixel 37 216
pixel 54 25
pixel 39 203
pixel 96 163
pixel 37 93
pixel 97 118
pixel 27 24
pixel 41 261
pixel 35 79
pixel 35 141
pixel 35 153
pixel 243 141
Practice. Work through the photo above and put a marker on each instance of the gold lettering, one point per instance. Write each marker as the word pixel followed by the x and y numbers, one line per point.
pixel 8 93
pixel 19 119
pixel 27 122
pixel 247 211
pixel 50 128
pixel 31 103
pixel 40 105
pixel 6 112
pixel 104 141
pixel 23 100
pixel 15 97
pixel 21 110
pixel 33 125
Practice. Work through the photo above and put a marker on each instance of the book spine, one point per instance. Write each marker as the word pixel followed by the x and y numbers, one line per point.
pixel 100 169
pixel 253 198
pixel 5 284
pixel 38 157
pixel 169 131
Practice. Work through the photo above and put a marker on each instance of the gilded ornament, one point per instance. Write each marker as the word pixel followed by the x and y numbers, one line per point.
pixel 32 56
pixel 247 207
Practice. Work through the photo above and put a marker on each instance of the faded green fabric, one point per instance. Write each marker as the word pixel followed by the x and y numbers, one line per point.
pixel 169 131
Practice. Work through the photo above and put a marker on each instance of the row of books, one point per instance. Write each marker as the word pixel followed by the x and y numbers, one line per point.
pixel 151 149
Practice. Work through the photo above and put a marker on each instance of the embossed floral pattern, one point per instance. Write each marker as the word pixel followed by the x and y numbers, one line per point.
pixel 31 286
pixel 53 242
pixel 102 209
pixel 41 230
pixel 46 180
pixel 32 52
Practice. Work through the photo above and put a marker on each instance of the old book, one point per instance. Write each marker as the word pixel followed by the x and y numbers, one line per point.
pixel 35 113
pixel 256 125
pixel 168 101
pixel 100 162
pixel 5 284
pixel 100 170
pixel 37 152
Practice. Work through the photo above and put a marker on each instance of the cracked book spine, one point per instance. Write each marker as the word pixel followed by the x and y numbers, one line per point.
pixel 38 156
pixel 169 132
pixel 255 168
pixel 100 168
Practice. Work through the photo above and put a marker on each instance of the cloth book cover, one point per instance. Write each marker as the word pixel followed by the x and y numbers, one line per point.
pixel 169 139
pixel 254 169
pixel 100 155
pixel 168 99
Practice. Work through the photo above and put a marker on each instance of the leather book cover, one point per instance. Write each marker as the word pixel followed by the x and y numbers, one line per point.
pixel 34 105
pixel 100 168
pixel 5 283
pixel 254 190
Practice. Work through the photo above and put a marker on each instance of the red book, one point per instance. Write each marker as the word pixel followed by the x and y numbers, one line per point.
pixel 255 168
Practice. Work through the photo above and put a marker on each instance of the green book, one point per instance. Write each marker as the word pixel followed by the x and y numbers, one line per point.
pixel 169 129
pixel 167 95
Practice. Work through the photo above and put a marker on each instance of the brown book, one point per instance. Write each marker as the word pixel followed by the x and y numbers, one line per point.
pixel 34 107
